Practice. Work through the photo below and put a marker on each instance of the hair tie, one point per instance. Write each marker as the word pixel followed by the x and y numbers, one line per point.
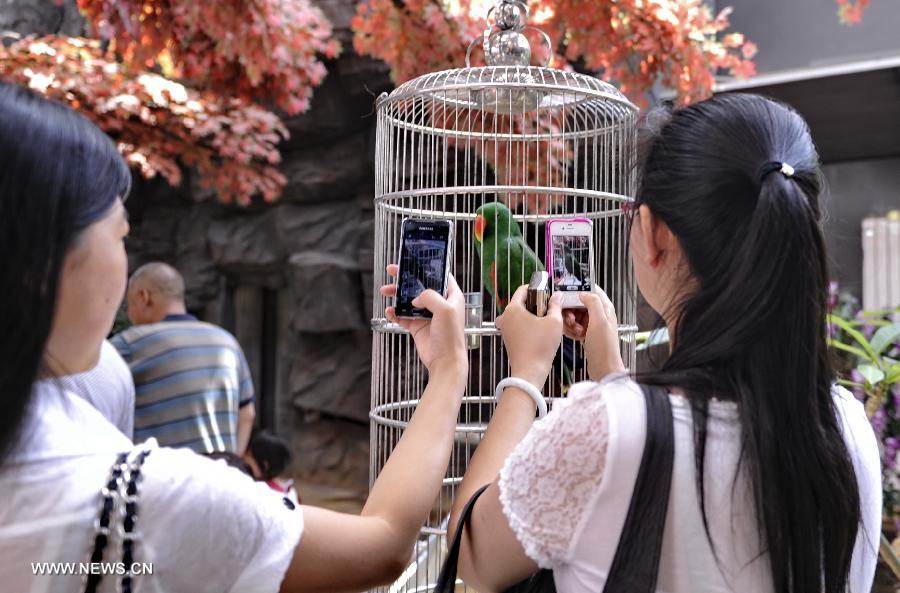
pixel 783 168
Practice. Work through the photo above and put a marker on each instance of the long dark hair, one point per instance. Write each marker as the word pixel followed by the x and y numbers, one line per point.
pixel 271 453
pixel 59 174
pixel 754 329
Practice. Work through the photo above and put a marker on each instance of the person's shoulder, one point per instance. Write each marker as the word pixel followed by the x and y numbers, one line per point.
pixel 849 408
pixel 616 388
pixel 213 328
pixel 111 358
pixel 859 435
pixel 135 333
pixel 176 476
pixel 201 327
pixel 161 329
pixel 199 510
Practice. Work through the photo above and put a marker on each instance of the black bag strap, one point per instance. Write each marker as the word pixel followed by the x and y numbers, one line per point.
pixel 635 566
pixel 446 582
pixel 123 486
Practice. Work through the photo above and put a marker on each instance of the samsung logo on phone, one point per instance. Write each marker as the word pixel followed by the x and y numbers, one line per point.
pixel 426 228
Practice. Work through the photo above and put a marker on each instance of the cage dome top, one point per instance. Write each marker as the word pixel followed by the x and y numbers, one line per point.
pixel 509 84
pixel 510 89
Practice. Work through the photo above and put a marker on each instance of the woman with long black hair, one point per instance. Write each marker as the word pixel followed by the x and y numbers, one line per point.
pixel 74 490
pixel 776 481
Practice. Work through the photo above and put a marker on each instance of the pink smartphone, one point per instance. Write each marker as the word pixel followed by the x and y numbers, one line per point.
pixel 570 258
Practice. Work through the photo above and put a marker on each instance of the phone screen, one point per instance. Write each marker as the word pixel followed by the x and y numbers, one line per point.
pixel 571 263
pixel 423 261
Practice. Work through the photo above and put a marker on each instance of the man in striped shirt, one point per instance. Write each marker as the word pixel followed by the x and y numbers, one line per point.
pixel 192 384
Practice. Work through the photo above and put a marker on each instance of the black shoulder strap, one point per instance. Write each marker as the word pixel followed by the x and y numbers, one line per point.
pixel 635 566
pixel 636 563
pixel 446 582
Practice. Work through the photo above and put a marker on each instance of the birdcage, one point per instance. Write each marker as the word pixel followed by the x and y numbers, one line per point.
pixel 545 144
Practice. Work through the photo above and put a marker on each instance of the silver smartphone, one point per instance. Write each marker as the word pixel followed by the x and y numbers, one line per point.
pixel 538 296
pixel 424 261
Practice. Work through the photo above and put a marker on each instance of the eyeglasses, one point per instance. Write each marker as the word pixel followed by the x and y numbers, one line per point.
pixel 630 208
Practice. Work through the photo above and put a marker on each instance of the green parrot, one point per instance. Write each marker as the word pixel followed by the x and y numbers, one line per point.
pixel 507 262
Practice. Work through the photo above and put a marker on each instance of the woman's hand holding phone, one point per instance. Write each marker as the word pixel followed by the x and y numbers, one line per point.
pixel 597 326
pixel 440 341
pixel 531 342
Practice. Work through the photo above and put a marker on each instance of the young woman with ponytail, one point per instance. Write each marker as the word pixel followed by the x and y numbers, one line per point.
pixel 776 481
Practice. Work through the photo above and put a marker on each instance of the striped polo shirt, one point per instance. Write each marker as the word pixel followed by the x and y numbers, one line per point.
pixel 190 380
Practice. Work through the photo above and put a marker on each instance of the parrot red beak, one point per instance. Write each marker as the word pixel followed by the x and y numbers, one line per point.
pixel 479 227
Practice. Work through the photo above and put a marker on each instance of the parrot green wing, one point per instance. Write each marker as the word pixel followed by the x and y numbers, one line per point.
pixel 507 261
pixel 516 262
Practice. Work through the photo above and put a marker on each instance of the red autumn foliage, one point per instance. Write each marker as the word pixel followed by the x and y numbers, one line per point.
pixel 250 49
pixel 174 83
pixel 157 124
pixel 635 43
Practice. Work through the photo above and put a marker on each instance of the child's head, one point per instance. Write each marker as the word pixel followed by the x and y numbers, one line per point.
pixel 267 455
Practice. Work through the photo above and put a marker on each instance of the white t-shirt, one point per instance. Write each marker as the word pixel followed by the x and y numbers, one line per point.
pixel 204 526
pixel 109 387
pixel 566 488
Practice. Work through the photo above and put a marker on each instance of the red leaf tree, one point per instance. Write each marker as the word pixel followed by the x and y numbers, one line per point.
pixel 635 43
pixel 174 83
pixel 248 49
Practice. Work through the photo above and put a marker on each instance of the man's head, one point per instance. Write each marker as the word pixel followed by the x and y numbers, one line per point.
pixel 154 291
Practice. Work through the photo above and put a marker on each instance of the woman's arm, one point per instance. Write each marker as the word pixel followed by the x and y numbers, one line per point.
pixel 339 552
pixel 490 556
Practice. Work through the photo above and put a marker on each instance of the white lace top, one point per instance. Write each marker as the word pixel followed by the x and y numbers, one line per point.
pixel 566 488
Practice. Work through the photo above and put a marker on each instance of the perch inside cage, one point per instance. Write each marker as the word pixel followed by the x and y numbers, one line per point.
pixel 499 151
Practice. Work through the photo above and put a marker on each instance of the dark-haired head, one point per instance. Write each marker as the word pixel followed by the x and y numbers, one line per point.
pixel 728 248
pixel 61 185
pixel 233 460
pixel 268 453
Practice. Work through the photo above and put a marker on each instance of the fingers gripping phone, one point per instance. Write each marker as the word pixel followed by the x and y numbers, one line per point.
pixel 424 262
pixel 570 258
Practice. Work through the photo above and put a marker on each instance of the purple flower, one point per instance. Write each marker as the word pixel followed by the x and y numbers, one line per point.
pixel 891 445
pixel 878 422
pixel 867 328
pixel 857 377
pixel 832 295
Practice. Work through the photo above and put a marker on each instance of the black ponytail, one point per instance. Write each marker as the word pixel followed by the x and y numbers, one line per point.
pixel 754 329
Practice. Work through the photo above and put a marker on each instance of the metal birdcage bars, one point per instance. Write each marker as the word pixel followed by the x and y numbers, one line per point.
pixel 546 143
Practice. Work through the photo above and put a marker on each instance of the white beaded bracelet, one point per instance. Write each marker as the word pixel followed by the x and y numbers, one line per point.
pixel 525 386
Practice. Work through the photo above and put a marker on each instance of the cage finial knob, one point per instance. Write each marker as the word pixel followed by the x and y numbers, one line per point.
pixel 510 14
